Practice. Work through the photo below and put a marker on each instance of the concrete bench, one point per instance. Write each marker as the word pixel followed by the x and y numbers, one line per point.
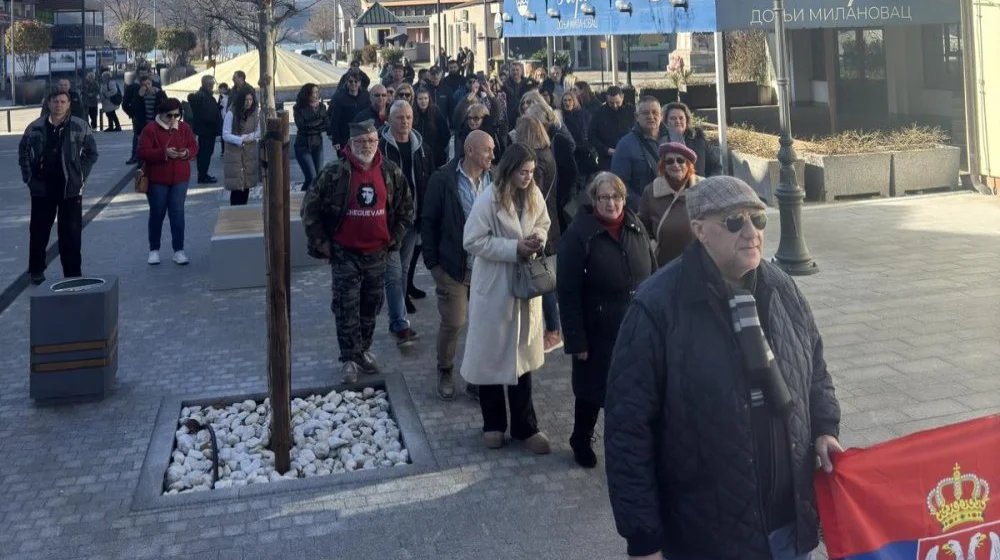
pixel 237 248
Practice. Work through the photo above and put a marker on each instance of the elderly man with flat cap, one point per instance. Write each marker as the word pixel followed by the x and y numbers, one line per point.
pixel 719 403
pixel 356 213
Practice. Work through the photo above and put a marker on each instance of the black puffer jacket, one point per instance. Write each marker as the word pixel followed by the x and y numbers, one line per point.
pixel 343 108
pixel 598 276
pixel 680 453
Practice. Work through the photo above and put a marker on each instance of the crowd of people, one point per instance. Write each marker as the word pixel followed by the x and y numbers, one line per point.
pixel 543 214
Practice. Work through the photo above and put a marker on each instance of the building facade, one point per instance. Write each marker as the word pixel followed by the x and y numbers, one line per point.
pixel 984 123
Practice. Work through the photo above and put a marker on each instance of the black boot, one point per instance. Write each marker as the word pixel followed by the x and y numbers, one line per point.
pixel 410 308
pixel 584 420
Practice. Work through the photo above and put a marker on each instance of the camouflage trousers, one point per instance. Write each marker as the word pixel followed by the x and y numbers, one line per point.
pixel 358 292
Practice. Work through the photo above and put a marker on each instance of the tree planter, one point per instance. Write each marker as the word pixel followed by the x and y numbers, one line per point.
pixel 929 168
pixel 663 95
pixel 700 96
pixel 29 92
pixel 762 174
pixel 829 177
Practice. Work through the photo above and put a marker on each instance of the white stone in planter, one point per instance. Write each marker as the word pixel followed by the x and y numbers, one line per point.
pixel 763 174
pixel 828 177
pixel 930 168
pixel 333 433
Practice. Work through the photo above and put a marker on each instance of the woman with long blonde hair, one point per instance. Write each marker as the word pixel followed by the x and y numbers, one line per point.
pixel 505 342
pixel 531 133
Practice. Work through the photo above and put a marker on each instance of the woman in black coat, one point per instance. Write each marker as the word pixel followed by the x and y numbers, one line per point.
pixel 432 125
pixel 603 257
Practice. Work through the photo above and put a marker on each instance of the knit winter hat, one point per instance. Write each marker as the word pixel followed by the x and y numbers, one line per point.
pixel 719 195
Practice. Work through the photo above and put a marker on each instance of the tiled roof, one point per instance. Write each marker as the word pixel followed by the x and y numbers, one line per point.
pixel 377 16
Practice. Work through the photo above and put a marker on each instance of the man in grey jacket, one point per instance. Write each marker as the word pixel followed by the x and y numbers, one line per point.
pixel 402 145
pixel 56 155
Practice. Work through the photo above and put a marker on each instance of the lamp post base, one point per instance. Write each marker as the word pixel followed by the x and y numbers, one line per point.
pixel 807 268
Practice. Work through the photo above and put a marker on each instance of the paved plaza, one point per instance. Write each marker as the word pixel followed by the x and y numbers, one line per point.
pixel 907 300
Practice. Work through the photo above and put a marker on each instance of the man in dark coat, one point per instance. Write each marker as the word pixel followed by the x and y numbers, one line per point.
pixel 455 78
pixel 207 125
pixel 609 123
pixel 441 95
pixel 516 85
pixel 355 71
pixel 446 206
pixel 56 155
pixel 76 107
pixel 718 399
pixel 677 117
pixel 344 106
pixel 141 108
pixel 635 159
pixel 603 257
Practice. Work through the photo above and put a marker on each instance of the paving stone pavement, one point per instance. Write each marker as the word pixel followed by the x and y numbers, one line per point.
pixel 906 300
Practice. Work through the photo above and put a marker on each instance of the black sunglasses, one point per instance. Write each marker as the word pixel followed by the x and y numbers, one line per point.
pixel 671 161
pixel 173 115
pixel 736 222
pixel 406 95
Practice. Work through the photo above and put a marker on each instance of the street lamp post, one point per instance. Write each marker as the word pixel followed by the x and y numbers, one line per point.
pixel 792 255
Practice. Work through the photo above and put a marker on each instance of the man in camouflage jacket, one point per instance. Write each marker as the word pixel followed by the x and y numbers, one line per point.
pixel 357 211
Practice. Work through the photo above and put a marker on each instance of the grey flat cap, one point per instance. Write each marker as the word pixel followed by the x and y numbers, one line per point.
pixel 721 194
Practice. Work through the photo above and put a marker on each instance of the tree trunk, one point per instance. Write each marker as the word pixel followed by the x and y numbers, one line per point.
pixel 267 33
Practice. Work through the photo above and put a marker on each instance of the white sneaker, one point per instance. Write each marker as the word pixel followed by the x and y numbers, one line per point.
pixel 180 258
pixel 154 257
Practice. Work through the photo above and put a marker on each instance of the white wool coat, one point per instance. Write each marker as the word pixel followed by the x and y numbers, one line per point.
pixel 504 339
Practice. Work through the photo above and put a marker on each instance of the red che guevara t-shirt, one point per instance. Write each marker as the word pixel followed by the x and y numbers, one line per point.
pixel 365 227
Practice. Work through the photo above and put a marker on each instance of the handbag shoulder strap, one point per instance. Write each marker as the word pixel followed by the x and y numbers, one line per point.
pixel 651 159
pixel 663 218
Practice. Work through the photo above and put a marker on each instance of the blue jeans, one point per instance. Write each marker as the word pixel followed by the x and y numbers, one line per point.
pixel 395 281
pixel 310 161
pixel 550 312
pixel 166 200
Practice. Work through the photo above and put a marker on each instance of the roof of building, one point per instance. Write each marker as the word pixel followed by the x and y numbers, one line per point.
pixel 377 16
pixel 411 21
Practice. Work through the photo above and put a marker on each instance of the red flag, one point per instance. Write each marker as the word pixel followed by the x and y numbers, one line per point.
pixel 925 496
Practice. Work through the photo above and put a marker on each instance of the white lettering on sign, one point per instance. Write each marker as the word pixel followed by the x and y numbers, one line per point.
pixel 848 14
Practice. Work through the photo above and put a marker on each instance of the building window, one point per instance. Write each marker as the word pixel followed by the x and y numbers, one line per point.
pixel 942 46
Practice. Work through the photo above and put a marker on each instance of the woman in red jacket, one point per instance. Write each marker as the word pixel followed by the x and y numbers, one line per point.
pixel 166 147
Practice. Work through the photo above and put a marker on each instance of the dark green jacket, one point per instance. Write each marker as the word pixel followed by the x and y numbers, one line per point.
pixel 325 203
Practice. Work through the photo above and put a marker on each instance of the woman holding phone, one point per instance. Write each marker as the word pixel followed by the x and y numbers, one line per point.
pixel 166 148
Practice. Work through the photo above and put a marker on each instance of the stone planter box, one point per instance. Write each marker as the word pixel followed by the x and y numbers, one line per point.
pixel 762 174
pixel 699 96
pixel 74 339
pixel 29 92
pixel 920 170
pixel 663 95
pixel 830 177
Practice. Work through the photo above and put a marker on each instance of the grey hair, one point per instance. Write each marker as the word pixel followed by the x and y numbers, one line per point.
pixel 397 106
pixel 605 177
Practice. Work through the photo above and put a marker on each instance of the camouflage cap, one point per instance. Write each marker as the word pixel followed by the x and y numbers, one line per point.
pixel 362 128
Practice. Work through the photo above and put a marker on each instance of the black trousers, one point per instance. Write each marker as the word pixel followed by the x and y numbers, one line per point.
pixel 206 147
pixel 239 198
pixel 584 419
pixel 92 113
pixel 358 293
pixel 523 423
pixel 44 211
pixel 113 123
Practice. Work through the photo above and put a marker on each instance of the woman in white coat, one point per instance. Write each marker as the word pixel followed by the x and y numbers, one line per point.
pixel 504 343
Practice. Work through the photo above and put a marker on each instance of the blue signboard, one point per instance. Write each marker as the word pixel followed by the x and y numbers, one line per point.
pixel 541 18
pixel 547 18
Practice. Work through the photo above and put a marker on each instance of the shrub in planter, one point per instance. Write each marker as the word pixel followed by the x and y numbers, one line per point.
pixel 922 161
pixel 369 54
pixel 392 55
pixel 753 157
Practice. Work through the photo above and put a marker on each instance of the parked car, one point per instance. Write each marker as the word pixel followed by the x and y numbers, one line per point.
pixel 322 57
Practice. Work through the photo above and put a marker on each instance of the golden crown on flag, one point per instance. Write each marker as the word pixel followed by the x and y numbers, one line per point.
pixel 962 509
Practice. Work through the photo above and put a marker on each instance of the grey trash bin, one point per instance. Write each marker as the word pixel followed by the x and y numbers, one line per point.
pixel 74 339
